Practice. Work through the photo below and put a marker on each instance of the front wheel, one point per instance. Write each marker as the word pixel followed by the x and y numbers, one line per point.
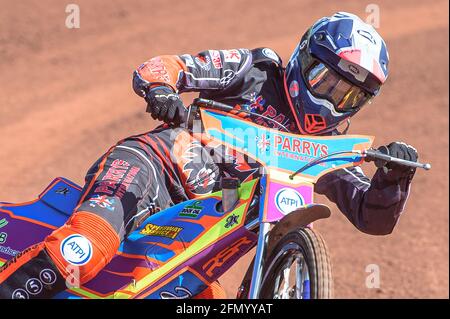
pixel 299 267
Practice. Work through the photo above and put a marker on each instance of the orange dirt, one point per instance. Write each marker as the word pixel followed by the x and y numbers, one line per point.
pixel 66 97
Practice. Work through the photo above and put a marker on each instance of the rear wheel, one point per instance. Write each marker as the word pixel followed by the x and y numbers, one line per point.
pixel 299 267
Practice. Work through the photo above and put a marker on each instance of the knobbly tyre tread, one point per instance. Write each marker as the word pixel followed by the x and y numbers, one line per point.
pixel 323 263
pixel 317 257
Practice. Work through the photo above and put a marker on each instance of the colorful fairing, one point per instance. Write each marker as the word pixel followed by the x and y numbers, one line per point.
pixel 173 254
pixel 282 154
pixel 178 252
pixel 285 152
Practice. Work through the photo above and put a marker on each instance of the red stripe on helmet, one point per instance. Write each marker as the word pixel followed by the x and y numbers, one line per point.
pixel 353 56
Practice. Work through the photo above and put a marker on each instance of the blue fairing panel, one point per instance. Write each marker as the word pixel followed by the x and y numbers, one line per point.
pixel 26 224
pixel 53 206
pixel 62 196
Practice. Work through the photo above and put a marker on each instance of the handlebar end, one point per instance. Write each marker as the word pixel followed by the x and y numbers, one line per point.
pixel 427 166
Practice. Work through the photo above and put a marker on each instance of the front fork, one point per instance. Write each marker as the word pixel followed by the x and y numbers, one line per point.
pixel 260 257
pixel 263 240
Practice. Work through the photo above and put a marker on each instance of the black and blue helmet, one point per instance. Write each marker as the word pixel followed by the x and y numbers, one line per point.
pixel 338 66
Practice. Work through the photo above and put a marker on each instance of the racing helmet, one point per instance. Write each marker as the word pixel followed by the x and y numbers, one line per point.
pixel 338 66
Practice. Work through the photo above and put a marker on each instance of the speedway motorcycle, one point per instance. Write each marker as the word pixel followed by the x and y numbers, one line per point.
pixel 176 253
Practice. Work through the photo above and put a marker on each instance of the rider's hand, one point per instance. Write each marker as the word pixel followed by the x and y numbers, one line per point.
pixel 165 105
pixel 400 150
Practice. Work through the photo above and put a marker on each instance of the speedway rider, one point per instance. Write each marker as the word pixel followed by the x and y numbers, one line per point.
pixel 338 66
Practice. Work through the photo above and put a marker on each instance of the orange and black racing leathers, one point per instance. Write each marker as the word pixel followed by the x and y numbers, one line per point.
pixel 149 172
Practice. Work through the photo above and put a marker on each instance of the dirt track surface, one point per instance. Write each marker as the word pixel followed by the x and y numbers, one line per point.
pixel 66 97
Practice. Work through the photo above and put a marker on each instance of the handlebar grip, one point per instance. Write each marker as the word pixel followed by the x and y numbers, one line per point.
pixel 192 111
pixel 212 104
pixel 374 154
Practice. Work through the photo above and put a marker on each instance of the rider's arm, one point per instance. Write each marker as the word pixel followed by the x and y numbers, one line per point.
pixel 373 206
pixel 208 70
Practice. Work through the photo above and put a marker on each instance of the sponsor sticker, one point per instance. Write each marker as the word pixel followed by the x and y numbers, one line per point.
pixel 8 250
pixel 62 191
pixel 288 200
pixel 216 59
pixel 3 235
pixel 20 294
pixel 158 69
pixel 76 250
pixel 191 210
pixel 358 72
pixel 294 89
pixel 229 252
pixel 298 146
pixel 233 56
pixel 47 276
pixel 33 286
pixel 270 54
pixel 162 231
pixel 179 293
pixel 3 222
pixel 231 220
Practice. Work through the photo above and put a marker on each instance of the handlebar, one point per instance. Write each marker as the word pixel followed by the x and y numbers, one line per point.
pixel 370 154
pixel 192 111
pixel 212 104
pixel 205 103
pixel 373 154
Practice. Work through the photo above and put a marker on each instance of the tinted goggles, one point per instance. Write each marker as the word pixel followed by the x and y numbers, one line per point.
pixel 324 82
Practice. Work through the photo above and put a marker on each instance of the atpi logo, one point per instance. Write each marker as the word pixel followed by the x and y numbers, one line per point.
pixel 76 249
pixel 288 200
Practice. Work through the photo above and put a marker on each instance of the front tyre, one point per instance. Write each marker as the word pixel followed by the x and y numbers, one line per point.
pixel 299 267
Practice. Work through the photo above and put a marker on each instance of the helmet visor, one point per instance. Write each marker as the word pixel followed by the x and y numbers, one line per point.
pixel 324 82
